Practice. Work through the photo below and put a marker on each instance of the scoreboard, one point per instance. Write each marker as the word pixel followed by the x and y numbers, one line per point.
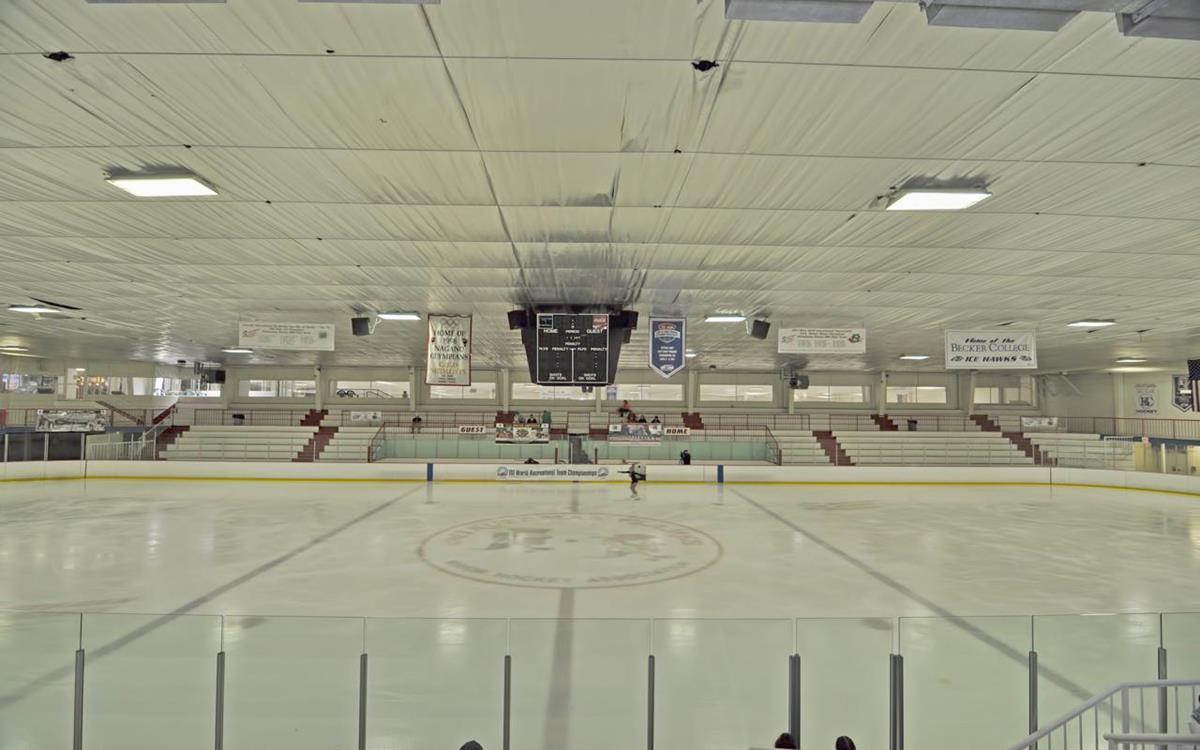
pixel 572 349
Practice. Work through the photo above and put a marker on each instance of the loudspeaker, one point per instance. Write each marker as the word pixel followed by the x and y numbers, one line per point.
pixel 218 377
pixel 517 319
pixel 758 329
pixel 360 326
pixel 798 383
pixel 627 336
pixel 626 319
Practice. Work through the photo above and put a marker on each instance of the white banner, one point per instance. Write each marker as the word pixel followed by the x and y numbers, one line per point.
pixel 676 431
pixel 991 350
pixel 1038 423
pixel 71 420
pixel 519 433
pixel 366 417
pixel 822 340
pixel 1145 398
pixel 448 353
pixel 646 433
pixel 297 336
pixel 472 429
pixel 569 472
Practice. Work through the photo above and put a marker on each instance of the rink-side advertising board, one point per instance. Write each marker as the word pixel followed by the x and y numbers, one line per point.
pixel 569 473
pixel 572 349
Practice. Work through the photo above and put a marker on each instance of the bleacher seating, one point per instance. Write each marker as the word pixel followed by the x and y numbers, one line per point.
pixel 242 443
pixel 1083 451
pixel 939 448
pixel 349 444
pixel 799 447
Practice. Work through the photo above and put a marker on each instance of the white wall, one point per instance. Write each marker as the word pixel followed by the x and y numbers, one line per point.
pixel 1093 395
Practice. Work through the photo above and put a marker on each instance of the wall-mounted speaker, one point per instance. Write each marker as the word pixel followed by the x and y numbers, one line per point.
pixel 360 326
pixel 517 319
pixel 758 329
pixel 626 319
pixel 798 383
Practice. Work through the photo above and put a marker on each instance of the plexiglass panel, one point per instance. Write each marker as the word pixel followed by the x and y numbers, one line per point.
pixel 151 681
pixel 434 683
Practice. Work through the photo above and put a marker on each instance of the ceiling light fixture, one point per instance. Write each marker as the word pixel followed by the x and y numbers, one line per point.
pixel 725 318
pixel 396 315
pixel 915 357
pixel 690 355
pixel 936 200
pixel 1129 360
pixel 32 309
pixel 237 350
pixel 162 186
pixel 14 348
pixel 1092 324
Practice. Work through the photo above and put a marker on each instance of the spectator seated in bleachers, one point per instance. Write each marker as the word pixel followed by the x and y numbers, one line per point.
pixel 532 419
pixel 416 424
pixel 642 419
pixel 624 408
pixel 656 420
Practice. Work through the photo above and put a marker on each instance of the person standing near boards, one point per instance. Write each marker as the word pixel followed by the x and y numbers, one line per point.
pixel 637 473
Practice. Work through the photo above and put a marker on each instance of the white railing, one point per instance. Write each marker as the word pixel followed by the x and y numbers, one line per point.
pixel 1143 707
pixel 1133 741
pixel 114 446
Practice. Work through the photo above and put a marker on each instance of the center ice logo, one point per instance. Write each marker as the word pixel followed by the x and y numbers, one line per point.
pixel 570 550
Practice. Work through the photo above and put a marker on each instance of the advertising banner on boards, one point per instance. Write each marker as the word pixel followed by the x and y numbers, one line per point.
pixel 294 336
pixel 822 341
pixel 528 472
pixel 991 350
pixel 668 344
pixel 448 356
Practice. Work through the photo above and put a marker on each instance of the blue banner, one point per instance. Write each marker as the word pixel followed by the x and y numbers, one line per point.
pixel 667 345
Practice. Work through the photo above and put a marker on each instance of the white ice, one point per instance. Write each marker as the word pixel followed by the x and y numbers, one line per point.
pixel 293 581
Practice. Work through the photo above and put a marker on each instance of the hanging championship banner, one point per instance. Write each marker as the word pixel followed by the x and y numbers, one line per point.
pixel 295 336
pixel 822 341
pixel 667 342
pixel 991 350
pixel 1145 398
pixel 448 356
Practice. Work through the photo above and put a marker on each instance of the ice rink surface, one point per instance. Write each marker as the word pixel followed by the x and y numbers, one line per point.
pixel 579 584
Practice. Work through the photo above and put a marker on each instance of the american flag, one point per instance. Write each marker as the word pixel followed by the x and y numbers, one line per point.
pixel 1194 383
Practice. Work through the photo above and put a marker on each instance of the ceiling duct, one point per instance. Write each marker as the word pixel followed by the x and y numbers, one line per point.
pixel 996 17
pixel 1166 19
pixel 811 11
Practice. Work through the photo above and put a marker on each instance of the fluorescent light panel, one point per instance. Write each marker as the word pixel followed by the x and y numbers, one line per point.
pixel 32 309
pixel 237 350
pixel 936 200
pixel 725 318
pixel 14 348
pixel 399 316
pixel 1092 323
pixel 690 355
pixel 162 186
pixel 1130 360
pixel 915 357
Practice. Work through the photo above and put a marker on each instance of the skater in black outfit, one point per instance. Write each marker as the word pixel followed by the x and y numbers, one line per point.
pixel 637 473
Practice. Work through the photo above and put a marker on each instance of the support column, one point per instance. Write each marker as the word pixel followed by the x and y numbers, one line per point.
pixel 322 387
pixel 896 672
pixel 690 388
pixel 413 384
pixel 881 394
pixel 505 386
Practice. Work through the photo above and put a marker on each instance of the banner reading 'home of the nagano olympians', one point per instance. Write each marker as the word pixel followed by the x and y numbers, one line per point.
pixel 448 352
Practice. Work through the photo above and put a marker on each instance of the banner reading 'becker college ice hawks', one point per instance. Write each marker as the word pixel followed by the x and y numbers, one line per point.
pixel 991 350
pixel 448 350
